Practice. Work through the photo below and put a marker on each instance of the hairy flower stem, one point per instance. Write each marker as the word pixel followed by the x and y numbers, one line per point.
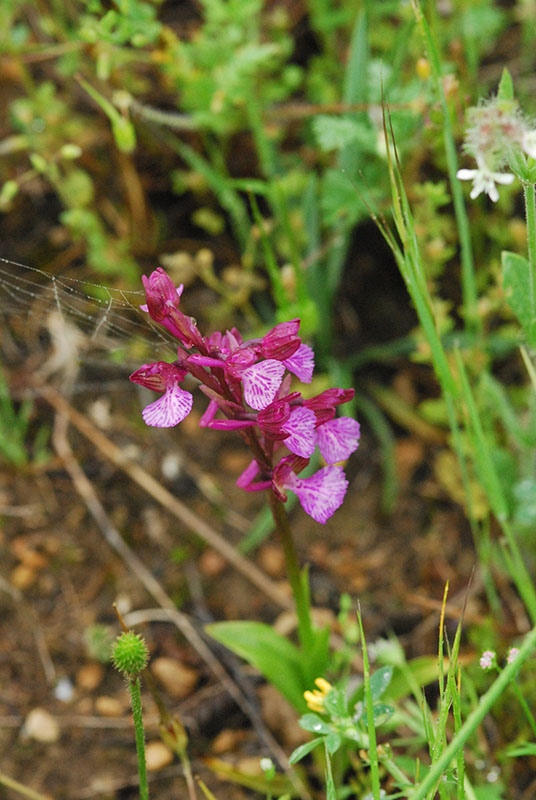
pixel 135 699
pixel 530 208
pixel 298 582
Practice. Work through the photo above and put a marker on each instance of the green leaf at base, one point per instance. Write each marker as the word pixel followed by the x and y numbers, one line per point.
pixel 273 655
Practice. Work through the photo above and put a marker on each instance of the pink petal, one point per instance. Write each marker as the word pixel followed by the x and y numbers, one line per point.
pixel 281 342
pixel 231 424
pixel 273 417
pixel 158 376
pixel 145 307
pixel 170 409
pixel 321 494
pixel 302 363
pixel 205 361
pixel 249 475
pixel 338 438
pixel 261 383
pixel 210 413
pixel 160 293
pixel 301 427
pixel 329 398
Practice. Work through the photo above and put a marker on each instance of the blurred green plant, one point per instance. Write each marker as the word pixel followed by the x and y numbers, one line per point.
pixel 15 419
pixel 238 75
pixel 98 640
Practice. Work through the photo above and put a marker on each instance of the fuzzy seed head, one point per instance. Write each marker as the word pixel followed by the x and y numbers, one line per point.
pixel 130 654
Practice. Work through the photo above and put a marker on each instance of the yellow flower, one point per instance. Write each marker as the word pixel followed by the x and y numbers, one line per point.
pixel 315 699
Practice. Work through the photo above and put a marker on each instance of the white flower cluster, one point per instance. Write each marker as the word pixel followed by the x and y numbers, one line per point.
pixel 495 128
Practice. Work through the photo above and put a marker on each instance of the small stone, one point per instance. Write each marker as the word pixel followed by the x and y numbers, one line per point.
pixel 100 413
pixel 84 706
pixel 23 576
pixel 177 679
pixel 41 726
pixel 272 560
pixel 108 706
pixel 157 756
pixel 171 466
pixel 211 563
pixel 64 690
pixel 227 740
pixel 33 559
pixel 90 676
pixel 250 765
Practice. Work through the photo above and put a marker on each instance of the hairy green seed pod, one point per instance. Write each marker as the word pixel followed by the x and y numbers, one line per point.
pixel 130 654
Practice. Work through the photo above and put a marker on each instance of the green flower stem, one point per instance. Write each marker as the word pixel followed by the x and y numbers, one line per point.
pixel 393 769
pixel 371 728
pixel 485 704
pixel 469 289
pixel 298 582
pixel 135 699
pixel 530 209
pixel 525 706
pixel 496 497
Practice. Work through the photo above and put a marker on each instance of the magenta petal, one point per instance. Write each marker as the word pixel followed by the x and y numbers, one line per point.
pixel 249 474
pixel 205 361
pixel 273 417
pixel 158 376
pixel 261 383
pixel 231 424
pixel 302 363
pixel 179 290
pixel 210 413
pixel 321 494
pixel 337 439
pixel 301 427
pixel 161 293
pixel 281 342
pixel 170 409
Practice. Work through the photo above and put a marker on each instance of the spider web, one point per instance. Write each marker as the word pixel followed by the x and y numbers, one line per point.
pixel 55 319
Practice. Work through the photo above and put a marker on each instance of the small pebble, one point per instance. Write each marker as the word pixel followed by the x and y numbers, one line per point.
pixel 211 563
pixel 272 560
pixel 250 765
pixel 177 679
pixel 89 676
pixel 227 740
pixel 108 706
pixel 157 756
pixel 41 726
pixel 171 466
pixel 64 690
pixel 100 413
pixel 23 576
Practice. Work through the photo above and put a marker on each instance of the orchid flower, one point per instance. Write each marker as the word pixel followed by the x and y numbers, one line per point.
pixel 248 384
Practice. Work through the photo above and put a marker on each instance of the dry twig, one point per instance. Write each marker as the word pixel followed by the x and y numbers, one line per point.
pixel 86 491
pixel 165 498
